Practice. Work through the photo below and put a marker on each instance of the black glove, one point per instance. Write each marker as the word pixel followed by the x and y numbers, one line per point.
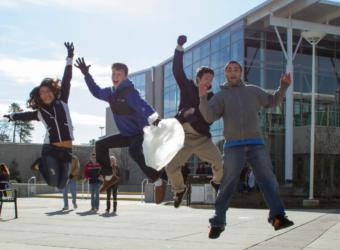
pixel 70 49
pixel 181 40
pixel 155 123
pixel 8 117
pixel 82 66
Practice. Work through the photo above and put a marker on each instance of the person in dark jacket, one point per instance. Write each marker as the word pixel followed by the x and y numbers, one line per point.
pixel 50 104
pixel 4 181
pixel 92 174
pixel 114 188
pixel 197 131
pixel 131 114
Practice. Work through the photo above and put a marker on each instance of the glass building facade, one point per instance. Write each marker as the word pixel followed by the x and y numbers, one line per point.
pixel 139 80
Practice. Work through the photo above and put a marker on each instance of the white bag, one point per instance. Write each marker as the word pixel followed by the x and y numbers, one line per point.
pixel 161 143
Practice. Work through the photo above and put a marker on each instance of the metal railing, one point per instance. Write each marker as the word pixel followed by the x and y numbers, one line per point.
pixel 31 187
pixel 144 182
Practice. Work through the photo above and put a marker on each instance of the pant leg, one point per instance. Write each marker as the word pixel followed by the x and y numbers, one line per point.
pixel 73 189
pixel 49 168
pixel 65 195
pixel 92 192
pixel 174 168
pixel 114 197
pixel 234 160
pixel 64 173
pixel 136 153
pixel 209 152
pixel 108 198
pixel 261 163
pixel 97 185
pixel 102 150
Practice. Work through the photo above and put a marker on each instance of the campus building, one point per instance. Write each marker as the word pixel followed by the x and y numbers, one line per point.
pixel 267 41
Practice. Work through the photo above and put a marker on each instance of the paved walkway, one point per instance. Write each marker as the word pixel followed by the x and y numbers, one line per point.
pixel 41 225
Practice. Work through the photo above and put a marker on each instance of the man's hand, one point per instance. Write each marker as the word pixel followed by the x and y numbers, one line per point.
pixel 8 117
pixel 286 79
pixel 155 123
pixel 181 40
pixel 70 49
pixel 80 64
pixel 203 89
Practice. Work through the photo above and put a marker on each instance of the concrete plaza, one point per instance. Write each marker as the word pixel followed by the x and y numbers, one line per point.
pixel 42 225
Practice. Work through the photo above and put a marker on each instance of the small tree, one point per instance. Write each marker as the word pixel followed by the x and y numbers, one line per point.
pixel 21 128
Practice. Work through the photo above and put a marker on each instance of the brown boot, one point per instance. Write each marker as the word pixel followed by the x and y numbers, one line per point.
pixel 160 192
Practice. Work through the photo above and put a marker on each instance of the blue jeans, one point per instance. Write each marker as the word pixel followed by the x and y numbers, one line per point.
pixel 72 185
pixel 55 165
pixel 94 190
pixel 234 161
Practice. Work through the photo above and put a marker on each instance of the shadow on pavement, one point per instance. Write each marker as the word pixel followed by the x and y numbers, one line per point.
pixel 58 212
pixel 89 212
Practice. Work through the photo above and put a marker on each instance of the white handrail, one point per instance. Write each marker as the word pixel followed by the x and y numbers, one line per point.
pixel 34 179
pixel 145 181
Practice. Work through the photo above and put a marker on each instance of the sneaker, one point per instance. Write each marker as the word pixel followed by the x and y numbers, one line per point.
pixel 75 206
pixel 215 232
pixel 106 184
pixel 280 222
pixel 65 208
pixel 179 197
pixel 107 211
pixel 215 186
pixel 160 189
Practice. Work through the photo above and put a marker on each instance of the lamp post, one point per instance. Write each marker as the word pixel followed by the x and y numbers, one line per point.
pixel 101 130
pixel 313 38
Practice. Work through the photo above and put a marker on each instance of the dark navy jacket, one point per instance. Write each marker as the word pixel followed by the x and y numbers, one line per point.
pixel 189 97
pixel 55 117
pixel 130 112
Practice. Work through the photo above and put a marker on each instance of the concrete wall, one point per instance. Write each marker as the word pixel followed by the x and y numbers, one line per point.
pixel 25 154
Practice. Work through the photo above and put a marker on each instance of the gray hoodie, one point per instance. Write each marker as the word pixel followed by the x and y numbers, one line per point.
pixel 239 106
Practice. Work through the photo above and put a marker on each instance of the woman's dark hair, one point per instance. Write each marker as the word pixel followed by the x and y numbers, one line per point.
pixel 35 101
pixel 4 169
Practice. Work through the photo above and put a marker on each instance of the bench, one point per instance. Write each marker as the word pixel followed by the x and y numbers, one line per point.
pixel 9 195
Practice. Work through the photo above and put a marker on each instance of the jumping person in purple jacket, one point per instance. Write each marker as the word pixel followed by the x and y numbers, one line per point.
pixel 131 114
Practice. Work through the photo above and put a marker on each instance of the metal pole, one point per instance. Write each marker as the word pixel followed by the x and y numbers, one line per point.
pixel 289 110
pixel 312 130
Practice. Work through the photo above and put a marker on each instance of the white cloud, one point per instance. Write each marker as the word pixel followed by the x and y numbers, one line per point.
pixel 132 7
pixel 30 71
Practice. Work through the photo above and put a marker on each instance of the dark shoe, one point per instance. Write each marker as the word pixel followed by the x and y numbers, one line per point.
pixel 160 192
pixel 106 184
pixel 280 222
pixel 179 197
pixel 215 232
pixel 215 186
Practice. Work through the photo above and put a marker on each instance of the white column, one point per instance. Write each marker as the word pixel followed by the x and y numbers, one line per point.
pixel 289 110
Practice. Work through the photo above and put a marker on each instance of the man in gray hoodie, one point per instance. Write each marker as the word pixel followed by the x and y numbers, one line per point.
pixel 239 103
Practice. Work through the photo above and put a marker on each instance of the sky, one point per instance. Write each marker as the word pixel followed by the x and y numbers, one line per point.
pixel 140 33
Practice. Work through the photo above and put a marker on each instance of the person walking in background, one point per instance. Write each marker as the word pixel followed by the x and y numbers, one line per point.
pixel 114 188
pixel 92 173
pixel 72 183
